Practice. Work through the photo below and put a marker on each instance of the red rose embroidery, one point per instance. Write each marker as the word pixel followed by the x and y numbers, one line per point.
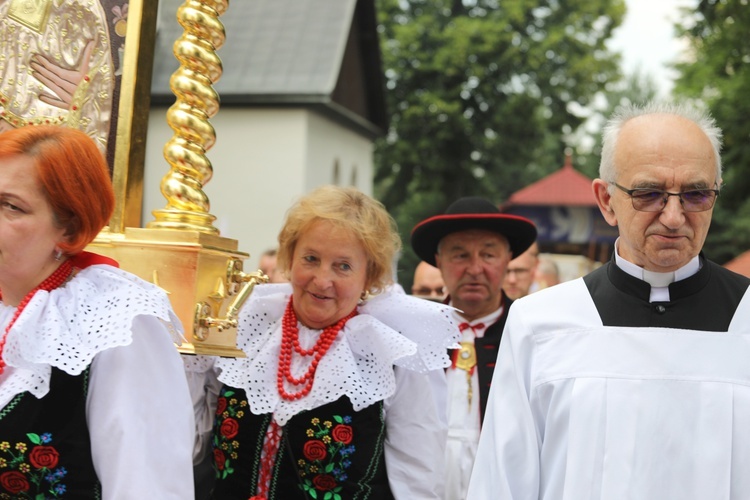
pixel 221 406
pixel 44 457
pixel 342 434
pixel 324 482
pixel 315 450
pixel 219 459
pixel 14 482
pixel 229 428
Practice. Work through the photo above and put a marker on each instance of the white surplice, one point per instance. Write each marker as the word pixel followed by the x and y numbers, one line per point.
pixel 581 411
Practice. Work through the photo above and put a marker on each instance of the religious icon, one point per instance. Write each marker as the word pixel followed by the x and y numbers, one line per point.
pixel 62 62
pixel 58 65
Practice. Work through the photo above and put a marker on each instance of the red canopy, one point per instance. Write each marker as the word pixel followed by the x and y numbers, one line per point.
pixel 566 187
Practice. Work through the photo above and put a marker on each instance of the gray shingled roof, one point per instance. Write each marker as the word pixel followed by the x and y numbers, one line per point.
pixel 281 52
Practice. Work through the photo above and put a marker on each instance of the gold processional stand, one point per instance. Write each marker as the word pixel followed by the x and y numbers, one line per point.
pixel 181 251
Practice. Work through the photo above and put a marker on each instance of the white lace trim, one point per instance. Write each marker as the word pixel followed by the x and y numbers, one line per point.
pixel 68 326
pixel 390 329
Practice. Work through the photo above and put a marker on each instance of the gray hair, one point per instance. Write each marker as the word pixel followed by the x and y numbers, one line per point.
pixel 611 133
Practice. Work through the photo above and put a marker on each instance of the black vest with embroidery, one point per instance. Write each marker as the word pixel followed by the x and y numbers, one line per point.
pixel 45 449
pixel 327 452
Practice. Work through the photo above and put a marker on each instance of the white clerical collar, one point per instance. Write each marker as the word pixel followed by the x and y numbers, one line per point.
pixel 658 281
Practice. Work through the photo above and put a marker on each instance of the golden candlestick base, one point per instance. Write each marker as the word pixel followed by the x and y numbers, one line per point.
pixel 181 251
pixel 201 272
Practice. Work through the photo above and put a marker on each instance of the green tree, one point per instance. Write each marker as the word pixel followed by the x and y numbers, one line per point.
pixel 635 88
pixel 718 74
pixel 481 94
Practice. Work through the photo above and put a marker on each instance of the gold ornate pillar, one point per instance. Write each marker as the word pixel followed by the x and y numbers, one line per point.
pixel 181 250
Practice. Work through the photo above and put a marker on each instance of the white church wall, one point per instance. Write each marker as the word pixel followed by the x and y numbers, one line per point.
pixel 263 159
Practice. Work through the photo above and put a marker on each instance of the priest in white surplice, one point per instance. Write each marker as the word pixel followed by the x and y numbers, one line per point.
pixel 632 382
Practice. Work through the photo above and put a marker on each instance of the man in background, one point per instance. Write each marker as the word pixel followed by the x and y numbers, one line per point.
pixel 519 277
pixel 472 244
pixel 267 264
pixel 428 282
pixel 547 273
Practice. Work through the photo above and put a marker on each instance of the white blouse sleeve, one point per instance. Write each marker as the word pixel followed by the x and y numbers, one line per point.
pixel 416 435
pixel 507 464
pixel 140 418
pixel 204 392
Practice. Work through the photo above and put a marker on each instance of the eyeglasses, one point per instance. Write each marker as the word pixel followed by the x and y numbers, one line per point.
pixel 519 272
pixel 426 291
pixel 654 200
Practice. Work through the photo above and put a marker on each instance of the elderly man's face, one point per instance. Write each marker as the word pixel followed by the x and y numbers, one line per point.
pixel 473 264
pixel 659 152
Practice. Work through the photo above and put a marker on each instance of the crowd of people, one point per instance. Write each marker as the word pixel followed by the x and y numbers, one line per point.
pixel 629 382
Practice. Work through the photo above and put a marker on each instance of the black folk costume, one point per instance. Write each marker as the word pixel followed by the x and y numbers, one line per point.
pixel 487 347
pixel 370 426
pixel 469 378
pixel 609 388
pixel 471 371
pixel 93 399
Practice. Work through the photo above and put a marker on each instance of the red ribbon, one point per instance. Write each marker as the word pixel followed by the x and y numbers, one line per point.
pixel 86 259
pixel 464 326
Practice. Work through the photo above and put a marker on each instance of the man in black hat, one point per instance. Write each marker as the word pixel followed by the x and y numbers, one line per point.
pixel 471 244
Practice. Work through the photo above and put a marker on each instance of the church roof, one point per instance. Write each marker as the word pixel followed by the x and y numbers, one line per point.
pixel 564 187
pixel 323 54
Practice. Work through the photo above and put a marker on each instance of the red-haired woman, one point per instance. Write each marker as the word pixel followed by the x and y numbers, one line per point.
pixel 93 398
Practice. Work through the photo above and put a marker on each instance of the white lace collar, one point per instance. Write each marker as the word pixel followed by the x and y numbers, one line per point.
pixel 68 326
pixel 391 329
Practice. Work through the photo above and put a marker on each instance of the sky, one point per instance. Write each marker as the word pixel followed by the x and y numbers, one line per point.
pixel 646 38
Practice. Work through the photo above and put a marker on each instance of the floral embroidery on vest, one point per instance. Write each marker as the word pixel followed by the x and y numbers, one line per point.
pixel 35 475
pixel 326 456
pixel 226 426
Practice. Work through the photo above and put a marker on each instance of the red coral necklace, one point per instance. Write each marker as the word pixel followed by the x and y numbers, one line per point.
pixel 53 281
pixel 290 345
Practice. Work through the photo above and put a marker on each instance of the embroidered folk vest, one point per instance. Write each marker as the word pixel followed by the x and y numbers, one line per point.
pixel 45 449
pixel 327 452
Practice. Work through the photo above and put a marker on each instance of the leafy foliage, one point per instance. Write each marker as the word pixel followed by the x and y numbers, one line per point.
pixel 636 88
pixel 718 73
pixel 482 95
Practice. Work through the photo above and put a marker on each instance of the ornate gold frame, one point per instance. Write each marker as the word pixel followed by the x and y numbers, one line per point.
pixel 109 34
pixel 132 121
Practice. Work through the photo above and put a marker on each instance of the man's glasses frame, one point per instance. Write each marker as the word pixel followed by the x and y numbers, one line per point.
pixel 518 272
pixel 426 291
pixel 654 200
